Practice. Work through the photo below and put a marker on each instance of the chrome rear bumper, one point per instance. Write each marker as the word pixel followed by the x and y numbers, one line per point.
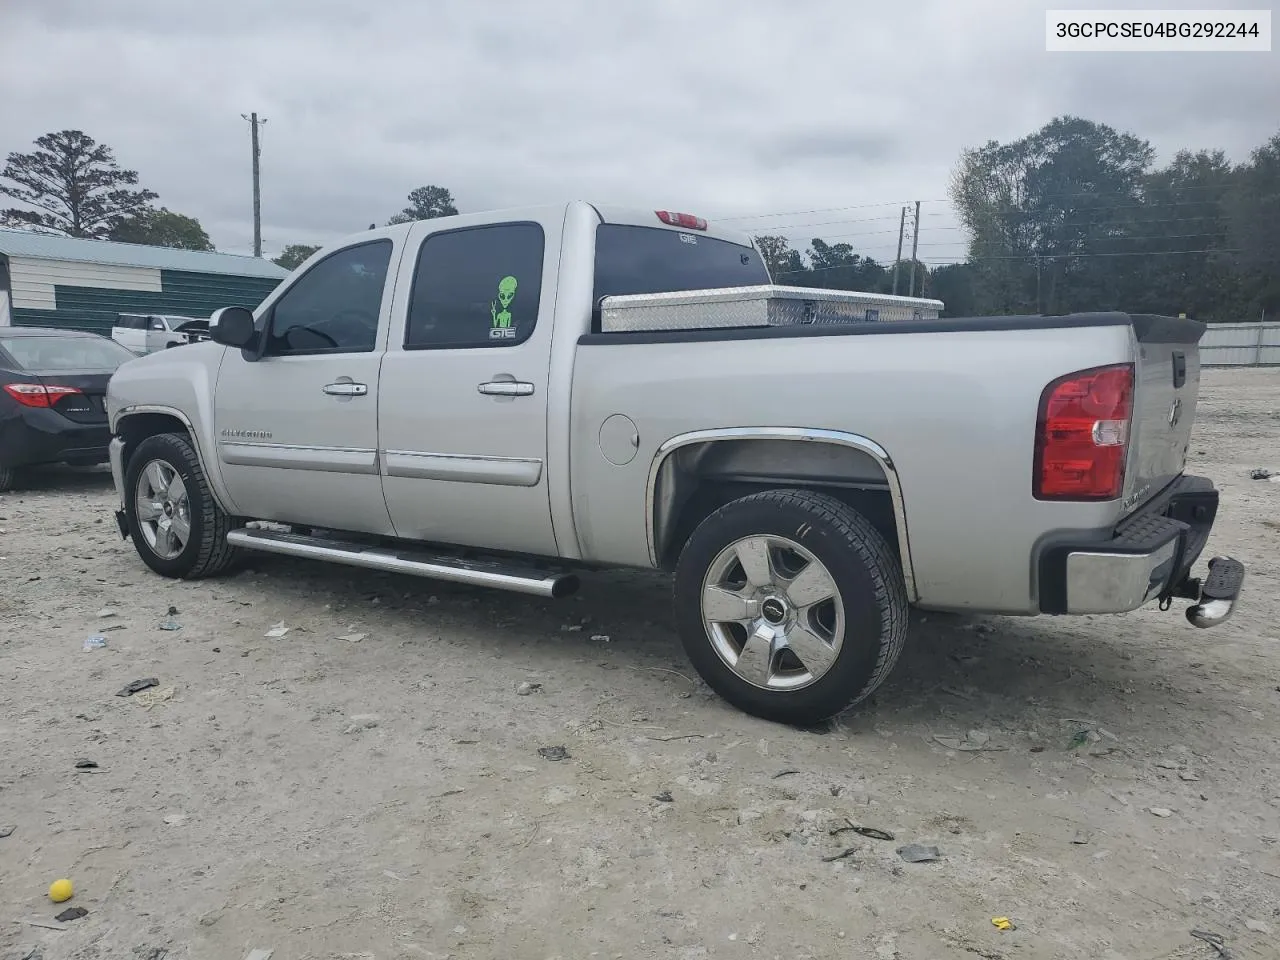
pixel 1100 582
pixel 1148 556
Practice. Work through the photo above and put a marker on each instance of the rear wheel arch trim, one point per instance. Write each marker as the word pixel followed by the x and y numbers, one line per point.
pixel 851 440
pixel 214 480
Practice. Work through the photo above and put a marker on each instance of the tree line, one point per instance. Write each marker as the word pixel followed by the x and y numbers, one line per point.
pixel 425 203
pixel 72 186
pixel 1075 216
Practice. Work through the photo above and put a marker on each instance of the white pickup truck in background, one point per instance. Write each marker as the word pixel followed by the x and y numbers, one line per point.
pixel 145 333
pixel 505 399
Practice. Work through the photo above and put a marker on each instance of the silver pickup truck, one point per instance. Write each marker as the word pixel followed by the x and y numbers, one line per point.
pixel 506 399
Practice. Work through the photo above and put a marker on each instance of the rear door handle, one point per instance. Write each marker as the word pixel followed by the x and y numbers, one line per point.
pixel 346 388
pixel 506 388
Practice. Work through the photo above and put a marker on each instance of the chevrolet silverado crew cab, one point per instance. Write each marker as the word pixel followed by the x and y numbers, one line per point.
pixel 505 399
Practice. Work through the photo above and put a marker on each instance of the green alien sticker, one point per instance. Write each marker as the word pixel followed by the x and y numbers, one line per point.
pixel 502 328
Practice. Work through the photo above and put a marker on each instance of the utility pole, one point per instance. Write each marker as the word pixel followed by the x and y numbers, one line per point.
pixel 915 240
pixel 902 223
pixel 254 122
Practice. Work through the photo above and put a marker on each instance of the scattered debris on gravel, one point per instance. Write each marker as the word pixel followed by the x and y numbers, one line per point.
pixel 343 799
pixel 917 853
pixel 137 686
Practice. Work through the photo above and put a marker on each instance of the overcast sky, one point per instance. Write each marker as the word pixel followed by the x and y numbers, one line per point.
pixel 724 108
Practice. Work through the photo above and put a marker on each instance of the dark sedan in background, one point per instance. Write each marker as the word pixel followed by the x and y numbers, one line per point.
pixel 52 387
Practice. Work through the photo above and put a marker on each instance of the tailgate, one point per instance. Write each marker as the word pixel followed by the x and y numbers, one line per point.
pixel 1167 387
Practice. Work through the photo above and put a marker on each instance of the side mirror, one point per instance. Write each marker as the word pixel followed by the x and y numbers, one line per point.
pixel 232 327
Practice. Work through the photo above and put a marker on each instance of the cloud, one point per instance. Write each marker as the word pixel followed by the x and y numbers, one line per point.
pixel 718 107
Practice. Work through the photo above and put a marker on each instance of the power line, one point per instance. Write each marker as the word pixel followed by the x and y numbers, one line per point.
pixel 867 233
pixel 1146 188
pixel 1145 205
pixel 962 229
pixel 1030 256
pixel 1117 253
pixel 1090 256
pixel 966 242
pixel 805 213
pixel 1153 190
pixel 1221 218
pixel 825 223
pixel 1107 218
pixel 782 228
pixel 1101 240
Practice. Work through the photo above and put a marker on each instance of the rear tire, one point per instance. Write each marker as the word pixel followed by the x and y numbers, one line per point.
pixel 790 605
pixel 176 525
pixel 8 478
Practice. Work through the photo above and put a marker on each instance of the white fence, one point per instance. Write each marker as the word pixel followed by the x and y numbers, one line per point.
pixel 1241 344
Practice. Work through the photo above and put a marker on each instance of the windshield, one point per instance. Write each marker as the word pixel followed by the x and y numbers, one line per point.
pixel 631 260
pixel 41 354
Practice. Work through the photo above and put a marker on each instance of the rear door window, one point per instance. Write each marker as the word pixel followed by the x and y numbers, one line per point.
pixel 476 287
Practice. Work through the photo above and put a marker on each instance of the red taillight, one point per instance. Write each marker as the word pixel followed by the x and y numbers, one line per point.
pixel 37 394
pixel 1082 435
pixel 686 220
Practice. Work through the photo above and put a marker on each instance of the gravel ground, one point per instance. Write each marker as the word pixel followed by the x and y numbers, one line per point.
pixel 386 798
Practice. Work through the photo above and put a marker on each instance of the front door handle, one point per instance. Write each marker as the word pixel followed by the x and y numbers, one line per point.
pixel 506 388
pixel 346 388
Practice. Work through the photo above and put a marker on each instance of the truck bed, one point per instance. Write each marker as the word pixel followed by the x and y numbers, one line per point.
pixel 952 402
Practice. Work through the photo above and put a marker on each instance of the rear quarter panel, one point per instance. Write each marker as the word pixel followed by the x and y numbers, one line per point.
pixel 956 412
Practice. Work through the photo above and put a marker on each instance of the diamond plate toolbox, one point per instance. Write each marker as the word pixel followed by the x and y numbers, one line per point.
pixel 761 306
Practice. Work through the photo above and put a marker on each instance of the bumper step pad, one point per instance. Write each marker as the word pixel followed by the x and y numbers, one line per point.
pixel 1218 593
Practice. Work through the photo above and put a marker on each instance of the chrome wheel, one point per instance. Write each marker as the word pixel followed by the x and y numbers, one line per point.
pixel 164 510
pixel 772 612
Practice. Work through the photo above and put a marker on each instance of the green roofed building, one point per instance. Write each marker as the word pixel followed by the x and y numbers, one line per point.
pixel 74 284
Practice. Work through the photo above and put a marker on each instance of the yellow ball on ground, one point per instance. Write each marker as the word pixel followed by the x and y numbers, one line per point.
pixel 60 890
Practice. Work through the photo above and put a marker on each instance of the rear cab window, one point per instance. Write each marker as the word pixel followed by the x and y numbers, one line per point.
pixel 635 260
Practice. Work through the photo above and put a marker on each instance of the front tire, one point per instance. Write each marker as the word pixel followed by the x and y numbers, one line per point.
pixel 176 525
pixel 790 605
